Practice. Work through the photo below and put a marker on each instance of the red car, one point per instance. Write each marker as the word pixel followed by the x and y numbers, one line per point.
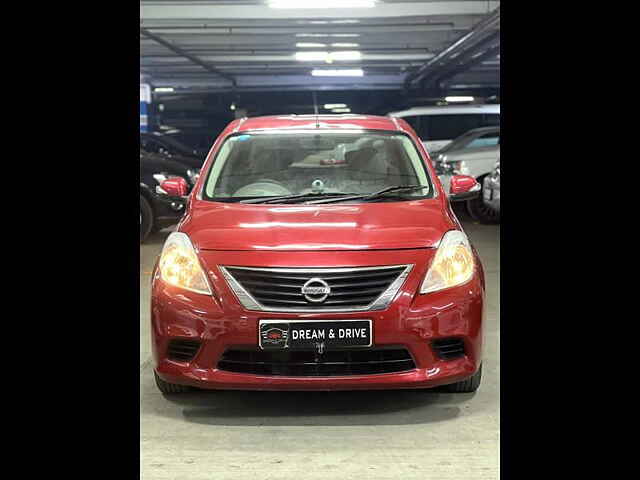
pixel 318 253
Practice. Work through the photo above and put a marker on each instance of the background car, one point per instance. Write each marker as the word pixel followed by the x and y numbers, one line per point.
pixel 438 126
pixel 474 153
pixel 165 144
pixel 491 188
pixel 159 211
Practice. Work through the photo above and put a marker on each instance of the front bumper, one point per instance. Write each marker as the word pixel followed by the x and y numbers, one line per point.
pixel 412 321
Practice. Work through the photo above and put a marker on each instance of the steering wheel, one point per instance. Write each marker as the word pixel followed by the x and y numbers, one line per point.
pixel 266 187
pixel 269 180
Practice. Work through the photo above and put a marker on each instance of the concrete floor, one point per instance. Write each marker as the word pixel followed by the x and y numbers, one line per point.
pixel 336 435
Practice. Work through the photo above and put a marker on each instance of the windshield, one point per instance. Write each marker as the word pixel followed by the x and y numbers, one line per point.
pixel 275 164
pixel 473 139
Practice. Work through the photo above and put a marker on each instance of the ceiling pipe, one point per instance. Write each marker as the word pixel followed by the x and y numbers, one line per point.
pixel 491 52
pixel 188 56
pixel 488 24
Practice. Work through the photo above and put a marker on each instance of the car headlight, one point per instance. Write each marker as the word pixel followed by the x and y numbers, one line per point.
pixel 179 265
pixel 452 265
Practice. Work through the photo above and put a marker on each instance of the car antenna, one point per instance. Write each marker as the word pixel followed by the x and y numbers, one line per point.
pixel 315 109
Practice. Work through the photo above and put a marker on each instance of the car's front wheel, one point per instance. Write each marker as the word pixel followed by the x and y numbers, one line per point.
pixel 146 218
pixel 469 385
pixel 166 387
pixel 480 210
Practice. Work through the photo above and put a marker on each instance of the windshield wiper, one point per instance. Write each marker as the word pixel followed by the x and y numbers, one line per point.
pixel 370 196
pixel 286 197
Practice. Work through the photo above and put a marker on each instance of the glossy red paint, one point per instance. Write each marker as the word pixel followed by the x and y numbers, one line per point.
pixel 175 186
pixel 462 184
pixel 340 235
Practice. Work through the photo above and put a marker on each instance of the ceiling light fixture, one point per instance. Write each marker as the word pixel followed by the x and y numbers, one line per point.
pixel 341 110
pixel 329 57
pixel 454 99
pixel 322 4
pixel 345 45
pixel 324 35
pixel 163 89
pixel 346 55
pixel 310 45
pixel 311 56
pixel 352 72
pixel 329 106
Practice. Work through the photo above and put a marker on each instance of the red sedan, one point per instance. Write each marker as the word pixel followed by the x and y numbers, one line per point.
pixel 318 252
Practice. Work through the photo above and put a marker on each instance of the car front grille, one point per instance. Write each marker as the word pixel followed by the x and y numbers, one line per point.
pixel 308 364
pixel 449 348
pixel 281 289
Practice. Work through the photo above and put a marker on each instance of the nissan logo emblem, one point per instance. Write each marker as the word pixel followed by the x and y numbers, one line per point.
pixel 316 290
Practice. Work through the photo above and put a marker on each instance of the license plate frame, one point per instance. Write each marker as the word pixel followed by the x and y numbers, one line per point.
pixel 291 343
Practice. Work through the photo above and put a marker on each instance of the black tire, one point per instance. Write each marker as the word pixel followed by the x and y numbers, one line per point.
pixel 169 388
pixel 146 218
pixel 480 211
pixel 469 385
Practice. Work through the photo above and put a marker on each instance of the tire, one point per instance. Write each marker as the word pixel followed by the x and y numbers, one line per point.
pixel 469 385
pixel 169 388
pixel 480 211
pixel 146 218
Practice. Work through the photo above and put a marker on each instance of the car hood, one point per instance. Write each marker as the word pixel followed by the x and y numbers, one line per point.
pixel 366 226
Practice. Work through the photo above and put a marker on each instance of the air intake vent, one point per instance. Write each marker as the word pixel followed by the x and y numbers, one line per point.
pixel 448 348
pixel 307 364
pixel 316 289
pixel 182 350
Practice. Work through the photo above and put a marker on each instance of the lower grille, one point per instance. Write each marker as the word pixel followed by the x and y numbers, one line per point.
pixel 305 364
pixel 182 350
pixel 449 348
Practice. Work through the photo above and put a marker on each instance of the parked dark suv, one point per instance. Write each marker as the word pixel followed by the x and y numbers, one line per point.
pixel 157 142
pixel 160 211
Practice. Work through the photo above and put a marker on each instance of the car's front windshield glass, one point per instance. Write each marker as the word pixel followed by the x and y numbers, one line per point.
pixel 283 163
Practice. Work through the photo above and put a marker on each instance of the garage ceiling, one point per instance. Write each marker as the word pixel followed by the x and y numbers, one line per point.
pixel 242 46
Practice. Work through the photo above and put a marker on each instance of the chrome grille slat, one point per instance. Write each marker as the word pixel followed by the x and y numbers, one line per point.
pixel 280 289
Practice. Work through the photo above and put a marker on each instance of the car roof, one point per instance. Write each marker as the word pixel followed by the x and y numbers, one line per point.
pixel 447 110
pixel 320 122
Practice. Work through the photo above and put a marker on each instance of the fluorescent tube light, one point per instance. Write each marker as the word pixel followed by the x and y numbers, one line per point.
pixel 324 35
pixel 341 110
pixel 314 56
pixel 311 56
pixel 163 89
pixel 322 3
pixel 353 72
pixel 346 55
pixel 345 45
pixel 329 106
pixel 459 99
pixel 310 45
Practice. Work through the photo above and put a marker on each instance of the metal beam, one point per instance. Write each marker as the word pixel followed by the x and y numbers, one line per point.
pixel 492 52
pixel 187 55
pixel 175 11
pixel 466 42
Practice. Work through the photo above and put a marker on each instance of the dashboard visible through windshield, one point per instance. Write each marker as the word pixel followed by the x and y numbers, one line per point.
pixel 277 164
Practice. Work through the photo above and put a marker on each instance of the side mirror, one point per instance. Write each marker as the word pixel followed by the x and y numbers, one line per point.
pixel 173 187
pixel 463 188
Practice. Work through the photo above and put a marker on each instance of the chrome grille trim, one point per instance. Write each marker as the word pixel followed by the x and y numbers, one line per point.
pixel 379 303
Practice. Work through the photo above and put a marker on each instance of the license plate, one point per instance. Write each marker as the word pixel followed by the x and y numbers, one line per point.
pixel 314 334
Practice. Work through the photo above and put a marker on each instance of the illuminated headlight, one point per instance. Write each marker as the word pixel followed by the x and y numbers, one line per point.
pixel 453 263
pixel 179 265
